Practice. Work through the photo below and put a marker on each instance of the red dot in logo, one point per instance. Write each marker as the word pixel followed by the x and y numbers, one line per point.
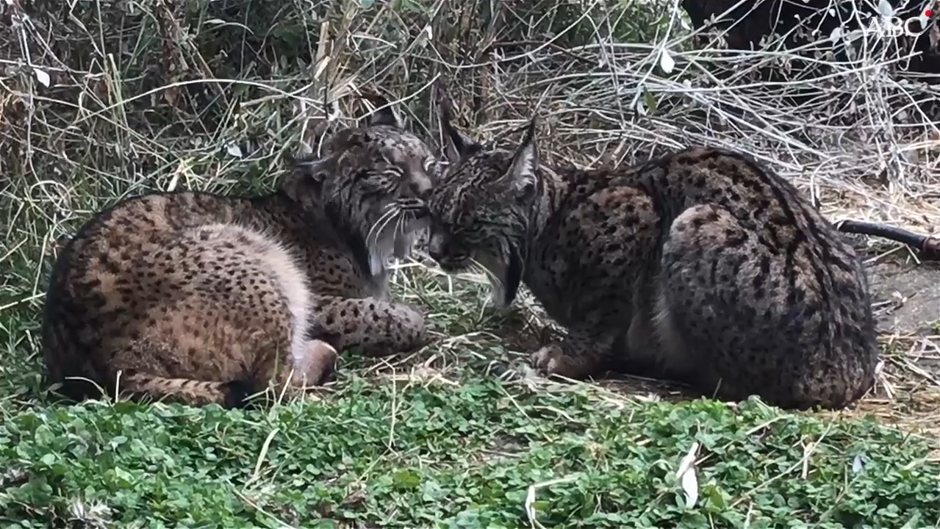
pixel 928 13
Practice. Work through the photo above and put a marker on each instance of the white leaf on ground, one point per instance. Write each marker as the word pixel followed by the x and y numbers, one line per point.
pixel 234 150
pixel 858 465
pixel 529 504
pixel 686 476
pixel 885 9
pixel 666 61
pixel 42 77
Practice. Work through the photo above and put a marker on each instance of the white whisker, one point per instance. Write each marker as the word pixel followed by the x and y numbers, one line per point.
pixel 379 225
pixel 388 218
pixel 401 241
pixel 399 225
pixel 405 217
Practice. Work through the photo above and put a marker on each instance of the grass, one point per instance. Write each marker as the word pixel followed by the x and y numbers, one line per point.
pixel 461 433
pixel 438 440
pixel 415 455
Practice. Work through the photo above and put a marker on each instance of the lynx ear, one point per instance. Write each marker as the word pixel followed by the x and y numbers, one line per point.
pixel 456 145
pixel 310 173
pixel 384 115
pixel 525 164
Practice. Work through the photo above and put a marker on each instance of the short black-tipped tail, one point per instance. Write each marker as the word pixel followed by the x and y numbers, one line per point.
pixel 237 393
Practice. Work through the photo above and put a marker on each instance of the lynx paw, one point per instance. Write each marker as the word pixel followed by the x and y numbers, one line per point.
pixel 552 360
pixel 318 366
pixel 417 333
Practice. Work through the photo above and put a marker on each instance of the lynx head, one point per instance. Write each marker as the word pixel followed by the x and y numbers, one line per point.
pixel 482 208
pixel 372 181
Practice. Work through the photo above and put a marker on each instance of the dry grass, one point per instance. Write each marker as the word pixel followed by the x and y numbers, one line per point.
pixel 184 97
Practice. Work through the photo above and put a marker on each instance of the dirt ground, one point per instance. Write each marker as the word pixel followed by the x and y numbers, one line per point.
pixel 906 293
pixel 906 303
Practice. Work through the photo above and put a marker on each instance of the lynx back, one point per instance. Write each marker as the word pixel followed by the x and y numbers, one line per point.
pixel 701 266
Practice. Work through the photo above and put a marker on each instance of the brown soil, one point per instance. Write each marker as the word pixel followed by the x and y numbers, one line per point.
pixel 906 294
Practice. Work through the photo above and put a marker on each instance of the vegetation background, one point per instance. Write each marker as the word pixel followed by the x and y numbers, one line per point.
pixel 103 100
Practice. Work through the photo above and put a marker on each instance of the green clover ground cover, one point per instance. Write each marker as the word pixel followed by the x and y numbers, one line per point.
pixel 377 451
pixel 377 454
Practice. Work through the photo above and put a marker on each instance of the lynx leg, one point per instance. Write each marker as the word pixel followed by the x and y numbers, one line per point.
pixel 643 352
pixel 378 327
pixel 655 347
pixel 578 356
pixel 708 301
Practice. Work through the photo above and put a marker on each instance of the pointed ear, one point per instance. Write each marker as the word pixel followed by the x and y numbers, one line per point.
pixel 384 115
pixel 456 145
pixel 525 163
pixel 309 175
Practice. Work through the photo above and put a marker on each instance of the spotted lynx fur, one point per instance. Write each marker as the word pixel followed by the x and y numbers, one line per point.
pixel 700 266
pixel 199 298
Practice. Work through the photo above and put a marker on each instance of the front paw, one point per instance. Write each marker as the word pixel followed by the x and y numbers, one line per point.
pixel 422 338
pixel 554 360
pixel 551 360
pixel 417 335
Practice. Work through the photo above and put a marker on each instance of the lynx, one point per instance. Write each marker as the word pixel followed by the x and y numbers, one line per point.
pixel 199 298
pixel 700 266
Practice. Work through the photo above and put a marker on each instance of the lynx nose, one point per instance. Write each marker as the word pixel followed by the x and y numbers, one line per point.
pixel 420 188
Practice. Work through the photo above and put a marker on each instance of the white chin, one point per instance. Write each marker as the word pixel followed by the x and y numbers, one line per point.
pixel 377 263
pixel 419 224
pixel 390 245
pixel 405 243
pixel 498 295
pixel 381 254
pixel 496 276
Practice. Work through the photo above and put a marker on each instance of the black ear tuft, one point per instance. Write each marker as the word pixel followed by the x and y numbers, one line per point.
pixel 523 169
pixel 530 131
pixel 238 393
pixel 456 144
